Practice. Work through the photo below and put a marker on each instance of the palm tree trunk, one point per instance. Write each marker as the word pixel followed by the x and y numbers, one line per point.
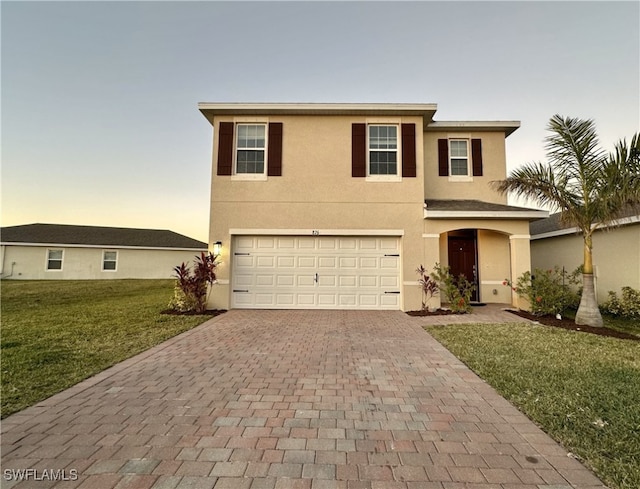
pixel 588 313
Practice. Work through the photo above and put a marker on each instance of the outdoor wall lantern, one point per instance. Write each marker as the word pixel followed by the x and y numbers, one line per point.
pixel 217 247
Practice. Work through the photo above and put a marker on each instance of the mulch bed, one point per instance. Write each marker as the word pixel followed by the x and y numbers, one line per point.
pixel 569 324
pixel 437 312
pixel 209 312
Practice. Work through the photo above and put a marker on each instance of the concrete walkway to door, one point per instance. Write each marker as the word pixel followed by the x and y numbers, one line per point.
pixel 286 399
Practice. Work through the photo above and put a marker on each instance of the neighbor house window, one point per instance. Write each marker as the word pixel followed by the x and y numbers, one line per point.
pixel 459 156
pixel 383 150
pixel 54 259
pixel 109 260
pixel 250 148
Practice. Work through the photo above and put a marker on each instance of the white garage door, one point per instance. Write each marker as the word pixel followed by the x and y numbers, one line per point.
pixel 300 272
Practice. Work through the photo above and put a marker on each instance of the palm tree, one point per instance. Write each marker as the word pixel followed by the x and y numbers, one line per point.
pixel 589 187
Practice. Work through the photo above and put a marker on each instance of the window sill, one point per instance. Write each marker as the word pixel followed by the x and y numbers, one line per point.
pixel 383 178
pixel 249 177
pixel 460 178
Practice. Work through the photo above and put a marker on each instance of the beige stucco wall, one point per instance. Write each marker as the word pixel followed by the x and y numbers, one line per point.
pixel 616 257
pixel 317 192
pixel 493 162
pixel 503 252
pixel 86 263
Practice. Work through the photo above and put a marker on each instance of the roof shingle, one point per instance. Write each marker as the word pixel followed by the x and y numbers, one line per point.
pixel 62 234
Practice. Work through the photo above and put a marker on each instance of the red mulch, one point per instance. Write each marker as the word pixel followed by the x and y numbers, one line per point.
pixel 437 312
pixel 209 312
pixel 570 324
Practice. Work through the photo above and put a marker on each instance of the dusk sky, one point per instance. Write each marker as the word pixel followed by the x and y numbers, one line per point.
pixel 100 124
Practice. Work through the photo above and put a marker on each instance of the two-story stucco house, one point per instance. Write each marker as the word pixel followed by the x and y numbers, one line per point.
pixel 336 205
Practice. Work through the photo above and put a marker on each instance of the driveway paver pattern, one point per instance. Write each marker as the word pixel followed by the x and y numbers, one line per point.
pixel 286 399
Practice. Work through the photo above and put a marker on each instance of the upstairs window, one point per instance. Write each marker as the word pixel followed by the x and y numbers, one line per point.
pixel 250 149
pixel 109 261
pixel 459 157
pixel 383 150
pixel 243 150
pixel 54 259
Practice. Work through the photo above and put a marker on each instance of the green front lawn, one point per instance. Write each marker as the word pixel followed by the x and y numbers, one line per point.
pixel 582 389
pixel 57 333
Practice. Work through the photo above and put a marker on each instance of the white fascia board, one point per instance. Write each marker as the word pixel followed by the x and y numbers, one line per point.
pixel 574 230
pixel 211 109
pixel 316 232
pixel 102 247
pixel 507 127
pixel 434 214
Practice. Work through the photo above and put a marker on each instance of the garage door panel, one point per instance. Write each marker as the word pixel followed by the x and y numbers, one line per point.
pixel 368 281
pixel 348 262
pixel 307 262
pixel 305 281
pixel 307 272
pixel 265 262
pixel 368 262
pixel 328 262
pixel 265 280
pixel 285 261
pixel 265 243
pixel 285 280
pixel 389 262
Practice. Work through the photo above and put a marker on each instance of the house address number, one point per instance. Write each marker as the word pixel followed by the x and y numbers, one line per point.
pixel 315 232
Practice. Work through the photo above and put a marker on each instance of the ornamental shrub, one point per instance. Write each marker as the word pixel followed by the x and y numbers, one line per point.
pixel 550 291
pixel 428 285
pixel 457 289
pixel 627 306
pixel 192 285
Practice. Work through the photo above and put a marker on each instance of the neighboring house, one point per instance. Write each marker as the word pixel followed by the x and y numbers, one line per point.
pixel 336 205
pixel 616 251
pixel 60 251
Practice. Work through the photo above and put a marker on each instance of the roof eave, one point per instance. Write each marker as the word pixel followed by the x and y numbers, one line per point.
pixel 507 127
pixel 214 109
pixel 510 215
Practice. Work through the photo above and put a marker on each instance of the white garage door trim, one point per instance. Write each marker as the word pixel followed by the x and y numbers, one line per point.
pixel 288 271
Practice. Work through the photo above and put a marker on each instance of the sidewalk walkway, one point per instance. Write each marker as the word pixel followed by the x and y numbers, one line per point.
pixel 287 399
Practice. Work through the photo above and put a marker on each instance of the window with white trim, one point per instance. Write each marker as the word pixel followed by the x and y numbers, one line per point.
pixel 54 259
pixel 458 157
pixel 109 261
pixel 383 149
pixel 251 149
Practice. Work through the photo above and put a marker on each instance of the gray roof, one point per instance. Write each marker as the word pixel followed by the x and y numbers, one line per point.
pixel 65 234
pixel 554 222
pixel 471 205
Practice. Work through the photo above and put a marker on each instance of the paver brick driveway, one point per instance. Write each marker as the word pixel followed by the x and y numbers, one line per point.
pixel 287 399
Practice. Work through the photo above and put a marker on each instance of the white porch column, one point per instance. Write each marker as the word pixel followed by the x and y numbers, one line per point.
pixel 520 263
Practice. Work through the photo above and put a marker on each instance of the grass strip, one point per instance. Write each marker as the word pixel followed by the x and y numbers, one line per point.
pixel 582 389
pixel 57 333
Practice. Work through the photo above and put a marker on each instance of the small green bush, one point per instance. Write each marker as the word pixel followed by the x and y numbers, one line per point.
pixel 627 306
pixel 549 291
pixel 457 289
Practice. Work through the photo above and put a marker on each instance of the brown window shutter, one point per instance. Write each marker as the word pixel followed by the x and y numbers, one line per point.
pixel 476 156
pixel 443 157
pixel 274 157
pixel 225 148
pixel 408 150
pixel 358 150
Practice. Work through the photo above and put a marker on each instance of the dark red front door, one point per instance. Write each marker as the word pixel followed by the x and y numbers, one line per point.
pixel 462 260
